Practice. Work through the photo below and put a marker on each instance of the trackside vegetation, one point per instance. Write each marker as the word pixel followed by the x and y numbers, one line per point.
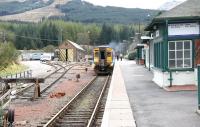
pixel 8 55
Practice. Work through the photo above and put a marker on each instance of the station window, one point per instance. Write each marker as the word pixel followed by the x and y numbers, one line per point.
pixel 180 54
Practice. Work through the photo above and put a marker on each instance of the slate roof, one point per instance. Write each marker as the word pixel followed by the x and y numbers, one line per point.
pixel 76 45
pixel 189 8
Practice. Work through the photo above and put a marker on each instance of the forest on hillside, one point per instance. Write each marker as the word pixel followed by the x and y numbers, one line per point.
pixel 53 32
pixel 81 11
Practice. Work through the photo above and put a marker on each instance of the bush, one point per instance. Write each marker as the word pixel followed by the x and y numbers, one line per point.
pixel 49 48
pixel 132 56
pixel 8 55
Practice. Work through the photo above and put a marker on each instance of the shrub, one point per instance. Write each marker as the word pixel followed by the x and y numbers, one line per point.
pixel 49 48
pixel 8 55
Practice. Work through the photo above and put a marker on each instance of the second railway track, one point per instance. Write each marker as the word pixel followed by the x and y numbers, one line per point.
pixel 82 109
pixel 50 80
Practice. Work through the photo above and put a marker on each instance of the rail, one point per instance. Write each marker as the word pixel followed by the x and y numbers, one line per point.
pixel 90 123
pixel 5 95
pixel 53 119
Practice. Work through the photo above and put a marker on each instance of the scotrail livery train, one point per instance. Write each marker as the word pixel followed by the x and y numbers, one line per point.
pixel 103 59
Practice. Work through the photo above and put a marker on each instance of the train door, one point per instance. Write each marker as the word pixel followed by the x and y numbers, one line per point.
pixel 102 58
pixel 102 55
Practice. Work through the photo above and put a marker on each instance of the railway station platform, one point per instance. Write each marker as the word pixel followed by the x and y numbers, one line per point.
pixel 118 112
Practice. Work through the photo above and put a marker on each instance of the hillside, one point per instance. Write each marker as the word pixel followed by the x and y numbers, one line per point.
pixel 75 10
pixel 14 7
pixel 81 11
pixel 36 15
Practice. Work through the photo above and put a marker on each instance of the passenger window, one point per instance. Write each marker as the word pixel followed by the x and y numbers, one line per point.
pixel 108 54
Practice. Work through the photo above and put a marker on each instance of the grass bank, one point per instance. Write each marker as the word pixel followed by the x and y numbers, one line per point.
pixel 13 69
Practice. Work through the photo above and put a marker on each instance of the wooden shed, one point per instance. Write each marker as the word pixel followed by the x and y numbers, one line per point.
pixel 70 51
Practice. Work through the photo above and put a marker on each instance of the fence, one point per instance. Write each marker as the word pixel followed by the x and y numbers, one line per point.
pixel 25 74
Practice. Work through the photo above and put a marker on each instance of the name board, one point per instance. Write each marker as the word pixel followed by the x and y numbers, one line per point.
pixel 183 29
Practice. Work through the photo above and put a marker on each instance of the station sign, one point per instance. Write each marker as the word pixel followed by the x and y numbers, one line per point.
pixel 183 29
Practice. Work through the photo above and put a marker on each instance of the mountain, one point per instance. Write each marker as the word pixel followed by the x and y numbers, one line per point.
pixel 81 11
pixel 73 10
pixel 33 15
pixel 8 7
pixel 169 5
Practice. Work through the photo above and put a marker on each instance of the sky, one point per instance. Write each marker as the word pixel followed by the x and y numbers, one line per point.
pixel 146 4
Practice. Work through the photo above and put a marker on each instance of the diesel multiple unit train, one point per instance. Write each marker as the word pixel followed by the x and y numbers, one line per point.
pixel 103 59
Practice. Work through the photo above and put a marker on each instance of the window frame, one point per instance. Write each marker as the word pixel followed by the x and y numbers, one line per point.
pixel 183 54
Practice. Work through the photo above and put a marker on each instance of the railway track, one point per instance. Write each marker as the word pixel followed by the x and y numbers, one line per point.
pixel 50 80
pixel 28 91
pixel 81 111
pixel 97 120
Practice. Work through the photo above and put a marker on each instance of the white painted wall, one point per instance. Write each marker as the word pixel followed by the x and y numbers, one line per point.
pixel 179 78
pixel 146 57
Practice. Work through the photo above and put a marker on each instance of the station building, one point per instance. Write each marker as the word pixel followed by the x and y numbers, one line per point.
pixel 174 50
pixel 71 52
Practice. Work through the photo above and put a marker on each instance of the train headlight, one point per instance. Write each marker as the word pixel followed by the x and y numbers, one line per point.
pixel 112 64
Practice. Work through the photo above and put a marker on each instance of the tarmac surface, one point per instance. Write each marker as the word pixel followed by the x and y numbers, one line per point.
pixel 152 106
pixel 38 69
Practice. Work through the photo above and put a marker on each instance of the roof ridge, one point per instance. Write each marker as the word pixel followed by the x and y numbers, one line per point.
pixel 189 8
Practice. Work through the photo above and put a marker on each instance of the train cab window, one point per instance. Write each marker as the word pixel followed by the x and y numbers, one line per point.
pixel 108 54
pixel 103 55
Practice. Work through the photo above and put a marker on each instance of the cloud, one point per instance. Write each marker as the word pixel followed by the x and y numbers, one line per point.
pixel 150 4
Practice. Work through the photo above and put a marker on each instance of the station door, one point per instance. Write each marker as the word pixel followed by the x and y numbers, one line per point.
pixel 66 55
pixel 63 55
pixel 70 54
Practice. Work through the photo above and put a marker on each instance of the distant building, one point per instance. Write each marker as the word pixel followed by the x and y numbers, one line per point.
pixel 70 51
pixel 174 50
pixel 137 47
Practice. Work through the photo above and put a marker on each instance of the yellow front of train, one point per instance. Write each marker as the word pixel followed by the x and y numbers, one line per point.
pixel 103 59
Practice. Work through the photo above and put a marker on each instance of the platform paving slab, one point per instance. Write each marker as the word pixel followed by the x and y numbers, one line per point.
pixel 152 106
pixel 118 111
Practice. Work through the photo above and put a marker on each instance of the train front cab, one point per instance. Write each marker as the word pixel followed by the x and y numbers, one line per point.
pixel 103 60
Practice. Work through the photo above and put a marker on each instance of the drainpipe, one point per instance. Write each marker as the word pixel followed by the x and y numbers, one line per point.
pixel 149 57
pixel 170 78
pixel 198 78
